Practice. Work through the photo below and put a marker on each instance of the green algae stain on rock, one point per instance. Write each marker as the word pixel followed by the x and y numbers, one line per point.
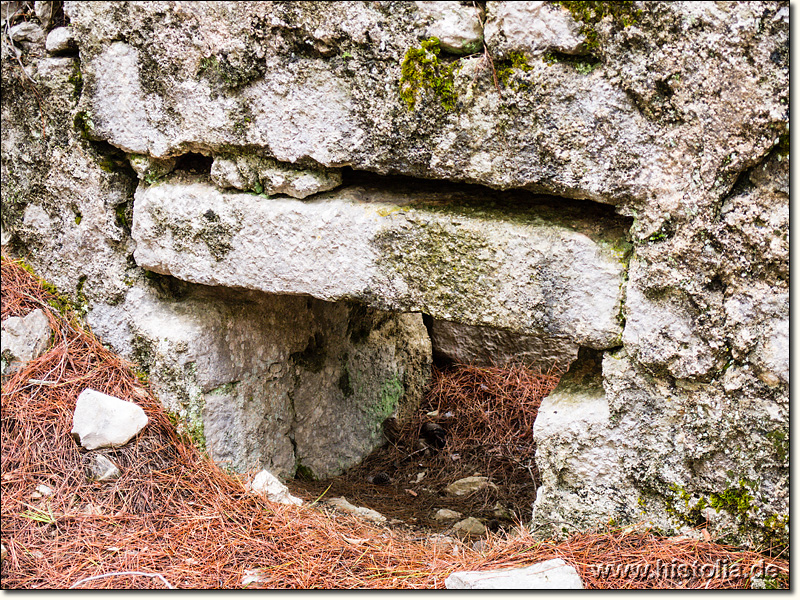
pixel 447 270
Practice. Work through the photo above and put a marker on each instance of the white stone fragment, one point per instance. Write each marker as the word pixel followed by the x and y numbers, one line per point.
pixel 24 338
pixel 359 511
pixel 266 484
pixel 44 490
pixel 102 421
pixel 552 574
pixel 44 12
pixel 268 176
pixel 60 40
pixel 27 32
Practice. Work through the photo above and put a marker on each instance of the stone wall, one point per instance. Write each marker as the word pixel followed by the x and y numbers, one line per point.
pixel 260 201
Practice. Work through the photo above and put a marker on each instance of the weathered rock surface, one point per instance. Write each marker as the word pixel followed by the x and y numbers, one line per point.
pixel 457 26
pixel 60 41
pixel 268 176
pixel 552 574
pixel 266 484
pixel 273 381
pixel 101 468
pixel 532 27
pixel 468 485
pixel 469 526
pixel 102 421
pixel 542 273
pixel 23 339
pixel 445 514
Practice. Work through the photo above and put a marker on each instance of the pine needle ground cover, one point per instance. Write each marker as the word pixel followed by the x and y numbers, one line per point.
pixel 174 519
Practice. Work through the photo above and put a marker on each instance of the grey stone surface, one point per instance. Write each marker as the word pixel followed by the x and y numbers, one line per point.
pixel 469 526
pixel 266 484
pixel 532 27
pixel 468 485
pixel 445 514
pixel 280 382
pixel 486 346
pixel 552 574
pixel 102 421
pixel 532 275
pixel 457 26
pixel 101 468
pixel 359 511
pixel 268 176
pixel 60 40
pixel 23 339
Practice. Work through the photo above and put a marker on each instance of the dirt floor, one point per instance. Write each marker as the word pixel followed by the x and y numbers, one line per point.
pixel 174 519
pixel 482 417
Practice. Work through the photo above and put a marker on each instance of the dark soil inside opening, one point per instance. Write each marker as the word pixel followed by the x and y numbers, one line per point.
pixel 474 421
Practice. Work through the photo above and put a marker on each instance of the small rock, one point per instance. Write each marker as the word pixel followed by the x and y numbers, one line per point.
pixel 102 421
pixel 359 511
pixel 266 484
pixel 149 169
pixel 23 339
pixel 254 173
pixel 102 469
pixel 479 545
pixel 552 574
pixel 469 526
pixel 60 40
pixel 27 32
pixel 501 512
pixel 468 485
pixel 44 12
pixel 254 576
pixel 445 514
pixel 3 552
pixel 44 490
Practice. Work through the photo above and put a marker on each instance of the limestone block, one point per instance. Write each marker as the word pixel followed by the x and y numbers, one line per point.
pixel 552 574
pixel 264 381
pixel 102 421
pixel 534 272
pixel 24 338
pixel 531 27
pixel 266 484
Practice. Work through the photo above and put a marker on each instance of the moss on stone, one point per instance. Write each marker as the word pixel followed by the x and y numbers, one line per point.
pixel 421 69
pixel 589 14
pixel 505 69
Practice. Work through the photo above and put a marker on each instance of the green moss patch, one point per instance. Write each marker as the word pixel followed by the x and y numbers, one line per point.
pixel 423 70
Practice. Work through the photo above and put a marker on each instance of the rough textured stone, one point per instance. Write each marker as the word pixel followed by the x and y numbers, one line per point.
pixel 469 526
pixel 268 485
pixel 23 339
pixel 457 27
pixel 552 574
pixel 60 40
pixel 486 346
pixel 359 511
pixel 444 514
pixel 100 468
pixel 531 27
pixel 542 272
pixel 468 485
pixel 102 421
pixel 27 32
pixel 268 176
pixel 269 381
